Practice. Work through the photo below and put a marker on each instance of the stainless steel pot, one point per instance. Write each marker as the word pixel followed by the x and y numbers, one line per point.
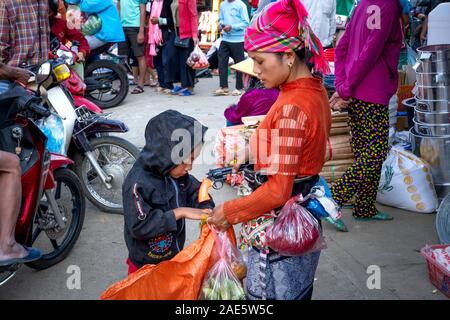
pixel 433 79
pixel 434 59
pixel 432 67
pixel 432 129
pixel 432 117
pixel 442 190
pixel 432 105
pixel 433 93
pixel 435 151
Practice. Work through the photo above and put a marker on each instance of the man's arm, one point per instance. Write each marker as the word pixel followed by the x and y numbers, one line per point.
pixel 142 8
pixel 4 32
pixel 13 73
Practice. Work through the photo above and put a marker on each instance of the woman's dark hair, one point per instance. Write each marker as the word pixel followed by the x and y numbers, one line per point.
pixel 302 55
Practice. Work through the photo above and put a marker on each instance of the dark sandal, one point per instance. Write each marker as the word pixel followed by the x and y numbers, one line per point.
pixel 137 90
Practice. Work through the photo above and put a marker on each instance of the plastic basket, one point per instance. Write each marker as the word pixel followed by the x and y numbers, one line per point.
pixel 439 276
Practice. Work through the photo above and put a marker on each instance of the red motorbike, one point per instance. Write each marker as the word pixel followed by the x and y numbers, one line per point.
pixel 53 205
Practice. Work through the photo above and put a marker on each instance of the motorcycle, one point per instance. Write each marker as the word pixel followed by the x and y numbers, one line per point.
pixel 106 81
pixel 101 161
pixel 52 198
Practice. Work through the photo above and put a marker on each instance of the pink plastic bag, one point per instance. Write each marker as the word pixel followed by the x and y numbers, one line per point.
pixel 295 232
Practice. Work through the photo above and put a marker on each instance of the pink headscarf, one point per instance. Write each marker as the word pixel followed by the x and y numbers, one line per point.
pixel 281 27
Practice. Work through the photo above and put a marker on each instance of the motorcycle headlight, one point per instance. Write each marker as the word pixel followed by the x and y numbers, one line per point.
pixel 61 72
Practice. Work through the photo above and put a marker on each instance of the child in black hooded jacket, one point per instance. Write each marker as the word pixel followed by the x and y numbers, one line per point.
pixel 159 193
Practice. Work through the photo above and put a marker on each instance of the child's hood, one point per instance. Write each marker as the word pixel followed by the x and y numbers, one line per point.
pixel 170 138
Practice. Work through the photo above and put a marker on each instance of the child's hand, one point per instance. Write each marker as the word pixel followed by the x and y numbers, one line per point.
pixel 188 213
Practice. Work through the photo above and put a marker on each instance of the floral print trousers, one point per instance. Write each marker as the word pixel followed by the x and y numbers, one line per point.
pixel 369 125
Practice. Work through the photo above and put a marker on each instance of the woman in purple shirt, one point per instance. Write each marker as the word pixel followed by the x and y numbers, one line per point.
pixel 366 61
pixel 255 101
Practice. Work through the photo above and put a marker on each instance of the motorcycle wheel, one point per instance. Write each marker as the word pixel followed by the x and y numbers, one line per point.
pixel 112 74
pixel 60 242
pixel 116 156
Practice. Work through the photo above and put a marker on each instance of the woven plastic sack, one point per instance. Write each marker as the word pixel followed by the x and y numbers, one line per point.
pixel 221 282
pixel 295 232
pixel 177 279
pixel 406 183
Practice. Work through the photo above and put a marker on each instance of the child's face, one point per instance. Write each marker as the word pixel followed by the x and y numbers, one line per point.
pixel 186 166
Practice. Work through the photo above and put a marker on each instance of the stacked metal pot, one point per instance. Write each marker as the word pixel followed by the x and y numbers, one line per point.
pixel 430 135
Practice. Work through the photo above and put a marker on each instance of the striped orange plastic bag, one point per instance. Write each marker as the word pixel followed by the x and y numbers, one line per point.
pixel 177 279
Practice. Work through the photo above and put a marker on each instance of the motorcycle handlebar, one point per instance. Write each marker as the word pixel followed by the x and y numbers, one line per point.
pixel 33 104
pixel 39 109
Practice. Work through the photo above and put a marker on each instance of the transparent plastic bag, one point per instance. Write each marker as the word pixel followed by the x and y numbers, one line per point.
pixel 222 281
pixel 295 232
pixel 92 25
pixel 53 129
pixel 197 59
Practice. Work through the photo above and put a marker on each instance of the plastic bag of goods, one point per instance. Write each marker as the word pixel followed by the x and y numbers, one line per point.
pixel 406 183
pixel 53 129
pixel 222 281
pixel 295 232
pixel 92 25
pixel 229 143
pixel 197 59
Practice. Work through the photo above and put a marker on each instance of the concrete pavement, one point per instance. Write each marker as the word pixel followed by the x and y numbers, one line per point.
pixel 100 252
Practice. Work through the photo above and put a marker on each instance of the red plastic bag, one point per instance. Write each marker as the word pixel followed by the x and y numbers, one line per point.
pixel 222 281
pixel 295 232
pixel 197 59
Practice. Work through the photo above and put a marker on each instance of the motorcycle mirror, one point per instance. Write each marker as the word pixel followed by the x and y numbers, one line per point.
pixel 44 72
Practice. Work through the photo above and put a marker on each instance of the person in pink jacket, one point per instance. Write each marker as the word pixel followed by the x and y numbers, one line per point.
pixel 366 60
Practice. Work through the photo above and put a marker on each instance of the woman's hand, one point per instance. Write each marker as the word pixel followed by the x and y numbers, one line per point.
pixel 337 103
pixel 188 213
pixel 196 41
pixel 80 56
pixel 154 20
pixel 218 220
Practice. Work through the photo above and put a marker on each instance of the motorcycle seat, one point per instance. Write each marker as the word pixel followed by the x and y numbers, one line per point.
pixel 100 50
